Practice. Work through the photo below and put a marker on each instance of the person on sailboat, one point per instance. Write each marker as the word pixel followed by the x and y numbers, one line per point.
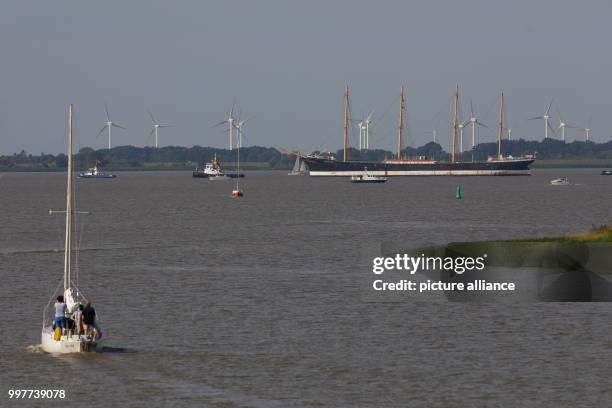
pixel 89 321
pixel 60 313
pixel 77 316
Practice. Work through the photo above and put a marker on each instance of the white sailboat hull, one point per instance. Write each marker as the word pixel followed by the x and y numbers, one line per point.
pixel 67 344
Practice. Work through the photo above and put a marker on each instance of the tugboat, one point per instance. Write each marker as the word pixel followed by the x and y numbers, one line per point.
pixel 214 171
pixel 95 173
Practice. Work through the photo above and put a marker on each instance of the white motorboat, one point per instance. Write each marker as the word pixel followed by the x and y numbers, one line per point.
pixel 562 181
pixel 57 340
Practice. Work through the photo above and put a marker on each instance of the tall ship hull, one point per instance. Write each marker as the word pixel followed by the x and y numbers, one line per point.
pixel 506 167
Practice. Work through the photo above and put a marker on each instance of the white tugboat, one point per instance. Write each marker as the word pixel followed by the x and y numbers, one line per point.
pixel 96 173
pixel 66 340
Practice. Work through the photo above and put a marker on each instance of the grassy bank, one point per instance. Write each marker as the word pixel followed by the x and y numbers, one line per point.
pixel 149 166
pixel 599 234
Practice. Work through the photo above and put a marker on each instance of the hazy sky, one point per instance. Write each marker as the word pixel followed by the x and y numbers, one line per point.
pixel 286 63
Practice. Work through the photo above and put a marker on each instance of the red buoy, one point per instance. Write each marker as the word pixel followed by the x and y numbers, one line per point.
pixel 237 193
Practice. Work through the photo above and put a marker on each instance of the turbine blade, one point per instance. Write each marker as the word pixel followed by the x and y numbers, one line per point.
pixel 151 132
pixel 551 128
pixel 233 106
pixel 549 105
pixel 471 108
pixel 164 126
pixel 118 126
pixel 106 110
pixel 219 124
pixel 481 124
pixel 101 130
pixel 151 115
pixel 537 117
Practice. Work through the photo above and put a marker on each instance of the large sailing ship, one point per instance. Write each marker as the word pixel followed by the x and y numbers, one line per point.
pixel 420 166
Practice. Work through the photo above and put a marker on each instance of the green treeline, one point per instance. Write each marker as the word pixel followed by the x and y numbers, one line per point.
pixel 178 157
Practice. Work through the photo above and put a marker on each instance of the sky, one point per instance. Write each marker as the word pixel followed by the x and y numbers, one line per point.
pixel 285 63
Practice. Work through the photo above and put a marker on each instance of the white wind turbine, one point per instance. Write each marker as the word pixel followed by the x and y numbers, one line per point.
pixel 155 129
pixel 563 125
pixel 364 132
pixel 473 121
pixel 231 122
pixel 546 118
pixel 587 130
pixel 109 125
pixel 434 132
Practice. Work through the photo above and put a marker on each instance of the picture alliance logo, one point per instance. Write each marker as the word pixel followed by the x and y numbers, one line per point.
pixel 412 264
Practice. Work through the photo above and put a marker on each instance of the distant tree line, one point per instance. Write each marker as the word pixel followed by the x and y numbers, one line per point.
pixel 135 157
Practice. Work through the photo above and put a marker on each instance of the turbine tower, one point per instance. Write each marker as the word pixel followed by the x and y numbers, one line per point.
pixel 155 129
pixel 109 125
pixel 587 130
pixel 546 116
pixel 434 132
pixel 364 132
pixel 473 121
pixel 231 122
pixel 563 125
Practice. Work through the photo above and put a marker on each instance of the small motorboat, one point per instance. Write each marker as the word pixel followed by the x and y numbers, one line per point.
pixel 562 181
pixel 367 178
pixel 606 173
pixel 95 173
pixel 237 193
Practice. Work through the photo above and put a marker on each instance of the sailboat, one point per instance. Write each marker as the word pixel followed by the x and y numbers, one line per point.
pixel 299 167
pixel 67 341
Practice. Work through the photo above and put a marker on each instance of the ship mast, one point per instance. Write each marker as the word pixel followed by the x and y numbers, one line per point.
pixel 501 126
pixel 346 120
pixel 455 123
pixel 400 125
pixel 68 245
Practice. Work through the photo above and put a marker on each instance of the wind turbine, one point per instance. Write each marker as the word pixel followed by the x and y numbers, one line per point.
pixel 546 118
pixel 230 121
pixel 563 125
pixel 109 125
pixel 155 129
pixel 474 121
pixel 239 126
pixel 434 132
pixel 364 132
pixel 587 129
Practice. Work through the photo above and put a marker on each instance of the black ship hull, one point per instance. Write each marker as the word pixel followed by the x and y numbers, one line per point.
pixel 506 167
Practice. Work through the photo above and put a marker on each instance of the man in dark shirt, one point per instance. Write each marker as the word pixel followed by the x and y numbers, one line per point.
pixel 89 318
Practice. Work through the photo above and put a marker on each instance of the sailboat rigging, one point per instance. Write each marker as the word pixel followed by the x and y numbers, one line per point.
pixel 65 338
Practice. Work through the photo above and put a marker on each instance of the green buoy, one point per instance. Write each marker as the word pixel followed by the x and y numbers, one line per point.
pixel 458 193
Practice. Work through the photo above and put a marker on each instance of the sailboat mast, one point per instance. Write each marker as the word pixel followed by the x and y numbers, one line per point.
pixel 238 154
pixel 68 244
pixel 400 125
pixel 455 124
pixel 346 120
pixel 501 126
